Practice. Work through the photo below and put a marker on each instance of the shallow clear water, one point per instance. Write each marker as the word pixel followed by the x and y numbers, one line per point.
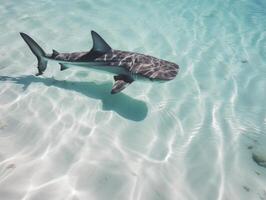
pixel 200 136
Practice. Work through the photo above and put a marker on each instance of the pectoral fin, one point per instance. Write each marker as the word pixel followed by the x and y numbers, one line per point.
pixel 121 82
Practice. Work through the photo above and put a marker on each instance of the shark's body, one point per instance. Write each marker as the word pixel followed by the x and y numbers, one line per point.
pixel 127 66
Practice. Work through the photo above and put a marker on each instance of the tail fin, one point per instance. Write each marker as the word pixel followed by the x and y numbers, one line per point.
pixel 37 51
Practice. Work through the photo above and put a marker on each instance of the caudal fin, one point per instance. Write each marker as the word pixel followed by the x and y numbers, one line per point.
pixel 37 51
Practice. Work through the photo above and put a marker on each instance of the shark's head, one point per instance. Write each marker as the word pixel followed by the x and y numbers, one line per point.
pixel 167 71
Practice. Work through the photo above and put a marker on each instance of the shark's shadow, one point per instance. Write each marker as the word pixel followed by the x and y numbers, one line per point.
pixel 124 105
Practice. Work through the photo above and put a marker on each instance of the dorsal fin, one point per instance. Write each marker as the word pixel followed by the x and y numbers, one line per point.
pixel 99 44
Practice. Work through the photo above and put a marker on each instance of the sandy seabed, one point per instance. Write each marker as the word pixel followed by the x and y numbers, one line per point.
pixel 201 136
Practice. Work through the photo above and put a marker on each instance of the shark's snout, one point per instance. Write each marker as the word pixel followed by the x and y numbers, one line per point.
pixel 168 71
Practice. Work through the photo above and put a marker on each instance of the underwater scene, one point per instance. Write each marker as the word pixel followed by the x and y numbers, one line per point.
pixel 161 100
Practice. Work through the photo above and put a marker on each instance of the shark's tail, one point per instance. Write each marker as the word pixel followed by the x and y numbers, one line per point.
pixel 37 51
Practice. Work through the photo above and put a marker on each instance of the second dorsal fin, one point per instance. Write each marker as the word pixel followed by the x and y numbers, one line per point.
pixel 55 53
pixel 99 44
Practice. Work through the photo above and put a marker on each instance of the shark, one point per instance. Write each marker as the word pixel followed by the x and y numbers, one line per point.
pixel 125 66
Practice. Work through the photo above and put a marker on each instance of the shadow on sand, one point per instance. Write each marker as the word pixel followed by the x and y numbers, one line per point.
pixel 124 105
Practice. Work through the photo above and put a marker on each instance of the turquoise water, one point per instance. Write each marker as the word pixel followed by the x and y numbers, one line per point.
pixel 200 136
